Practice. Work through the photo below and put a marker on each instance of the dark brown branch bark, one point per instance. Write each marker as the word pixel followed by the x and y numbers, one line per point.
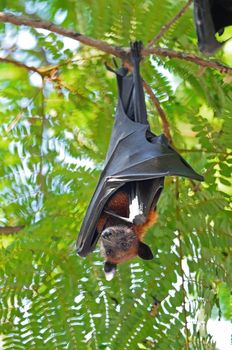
pixel 164 120
pixel 39 23
pixel 168 25
pixel 9 230
pixel 19 64
pixel 123 53
pixel 188 57
pixel 47 72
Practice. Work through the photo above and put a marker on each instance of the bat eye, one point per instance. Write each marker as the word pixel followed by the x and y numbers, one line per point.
pixel 124 245
pixel 109 252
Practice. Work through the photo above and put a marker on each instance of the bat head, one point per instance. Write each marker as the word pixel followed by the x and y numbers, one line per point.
pixel 119 244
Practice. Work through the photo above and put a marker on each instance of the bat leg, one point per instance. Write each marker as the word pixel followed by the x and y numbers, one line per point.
pixel 118 216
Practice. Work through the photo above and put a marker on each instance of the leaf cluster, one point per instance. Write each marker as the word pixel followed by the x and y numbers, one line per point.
pixel 55 128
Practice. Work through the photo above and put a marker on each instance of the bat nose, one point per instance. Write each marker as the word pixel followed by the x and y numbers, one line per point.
pixel 106 234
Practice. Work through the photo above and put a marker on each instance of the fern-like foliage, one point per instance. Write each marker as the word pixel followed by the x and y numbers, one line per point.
pixel 54 134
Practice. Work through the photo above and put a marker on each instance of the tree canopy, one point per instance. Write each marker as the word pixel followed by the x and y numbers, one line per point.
pixel 57 102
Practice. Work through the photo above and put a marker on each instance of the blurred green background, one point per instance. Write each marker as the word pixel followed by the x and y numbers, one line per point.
pixel 55 126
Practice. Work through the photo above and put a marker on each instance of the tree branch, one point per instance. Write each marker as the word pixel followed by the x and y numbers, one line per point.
pixel 47 71
pixel 19 64
pixel 168 25
pixel 122 53
pixel 39 23
pixel 165 123
pixel 188 57
pixel 8 230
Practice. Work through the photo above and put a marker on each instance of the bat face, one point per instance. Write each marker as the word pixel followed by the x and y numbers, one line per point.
pixel 118 244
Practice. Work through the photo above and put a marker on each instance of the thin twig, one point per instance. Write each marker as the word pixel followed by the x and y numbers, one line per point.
pixel 48 72
pixel 39 23
pixel 123 53
pixel 61 84
pixel 116 51
pixel 188 57
pixel 182 273
pixel 165 123
pixel 45 70
pixel 168 25
pixel 8 230
pixel 14 122
pixel 41 176
pixel 19 64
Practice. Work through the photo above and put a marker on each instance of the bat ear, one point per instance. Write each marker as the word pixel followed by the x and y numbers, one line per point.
pixel 144 252
pixel 110 270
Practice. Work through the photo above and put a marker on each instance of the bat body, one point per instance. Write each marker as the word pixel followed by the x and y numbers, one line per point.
pixel 211 17
pixel 121 241
pixel 132 180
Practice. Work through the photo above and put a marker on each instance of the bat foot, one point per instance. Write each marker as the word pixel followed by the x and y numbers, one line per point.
pixel 136 48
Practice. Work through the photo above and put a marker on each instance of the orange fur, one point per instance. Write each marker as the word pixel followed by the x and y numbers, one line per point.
pixel 140 230
pixel 119 204
pixel 131 253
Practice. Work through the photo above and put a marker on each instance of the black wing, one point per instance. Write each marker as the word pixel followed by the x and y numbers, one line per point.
pixel 135 156
pixel 211 17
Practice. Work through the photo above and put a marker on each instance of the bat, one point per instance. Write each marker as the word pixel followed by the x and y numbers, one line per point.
pixel 124 203
pixel 211 17
pixel 121 241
